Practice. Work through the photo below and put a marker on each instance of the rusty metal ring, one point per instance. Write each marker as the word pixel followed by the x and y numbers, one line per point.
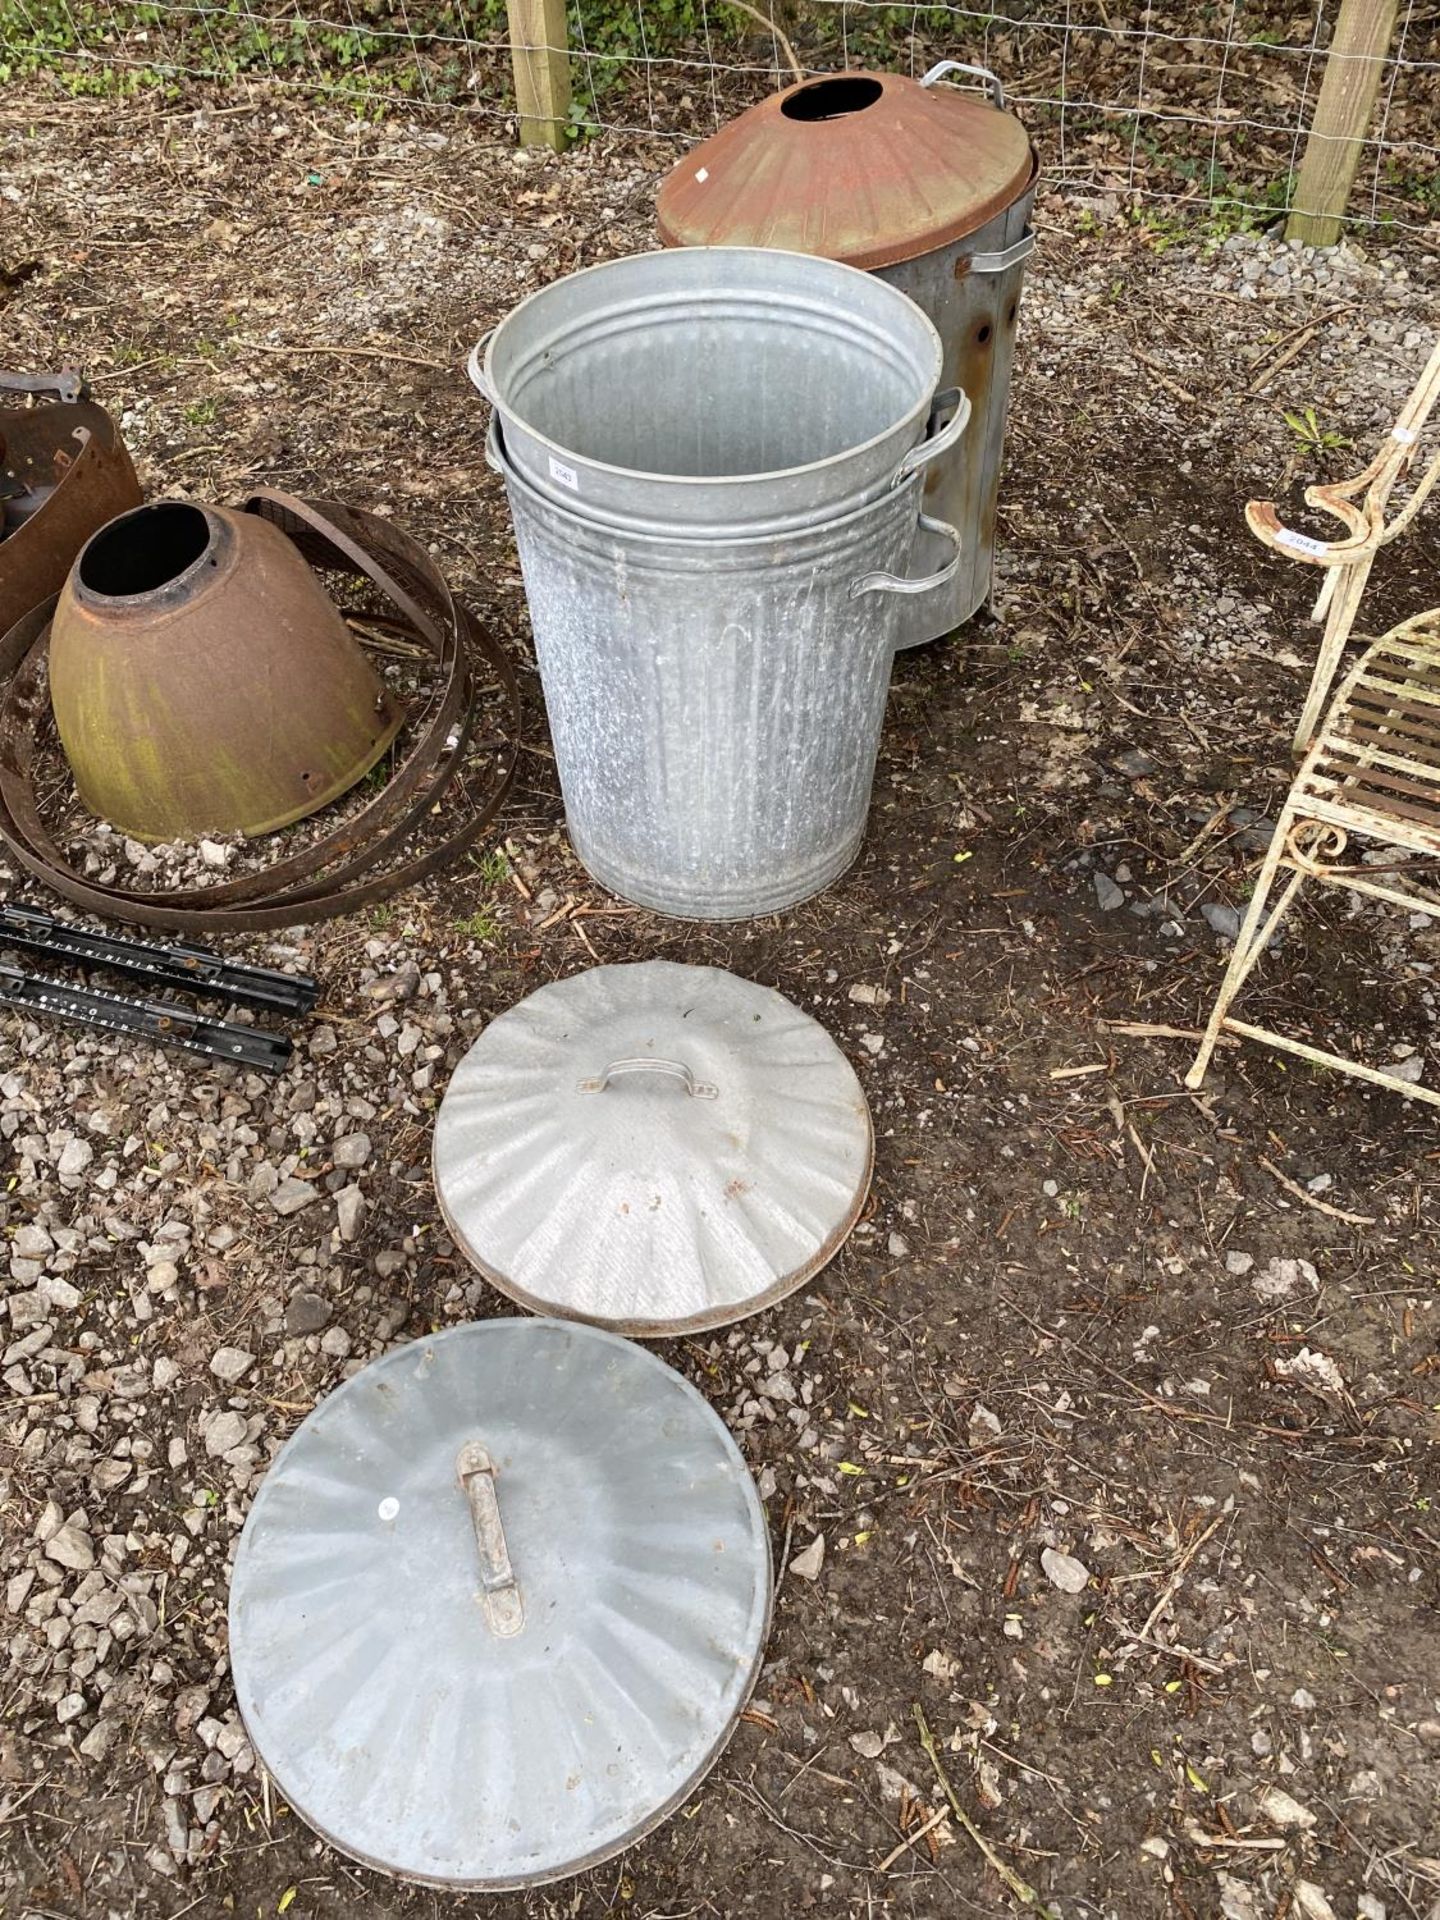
pixel 361 546
pixel 324 543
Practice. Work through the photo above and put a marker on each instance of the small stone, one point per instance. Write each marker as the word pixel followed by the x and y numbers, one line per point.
pixel 939 1665
pixel 1064 1571
pixel 70 1708
pixel 867 996
pixel 349 1212
pixel 808 1562
pixel 213 854
pixel 1237 1899
pixel 1310 1901
pixel 161 1276
pixel 336 1342
pixel 71 1547
pixel 1281 1810
pixel 1239 1263
pixel 75 1156
pixel 176 1833
pixel 291 1195
pixel 1303 1699
pixel 263 1182
pixel 1136 764
pixel 389 1263
pixel 322 1041
pixel 898 1246
pixel 58 1293
pixel 869 1746
pixel 1312 1369
pixel 351 1150
pixel 1108 895
pixel 1281 1278
pixel 98 1742
pixel 231 1364
pixel 1221 919
pixel 1410 1069
pixel 204 1802
pixel 983 1429
pixel 1369 1907
pixel 307 1312
pixel 872 1042
pixel 222 1431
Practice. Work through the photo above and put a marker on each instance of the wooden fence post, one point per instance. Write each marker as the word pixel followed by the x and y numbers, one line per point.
pixel 1353 72
pixel 540 51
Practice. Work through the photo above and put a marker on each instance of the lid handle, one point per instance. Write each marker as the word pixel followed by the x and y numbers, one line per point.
pixel 671 1069
pixel 504 1609
pixel 992 80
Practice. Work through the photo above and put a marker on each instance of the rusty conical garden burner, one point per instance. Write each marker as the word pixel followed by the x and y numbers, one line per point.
pixel 203 681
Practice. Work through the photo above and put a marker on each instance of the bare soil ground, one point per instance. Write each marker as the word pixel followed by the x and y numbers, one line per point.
pixel 1190 1342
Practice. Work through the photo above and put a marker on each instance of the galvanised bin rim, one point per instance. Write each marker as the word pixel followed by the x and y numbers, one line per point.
pixel 742 536
pixel 707 498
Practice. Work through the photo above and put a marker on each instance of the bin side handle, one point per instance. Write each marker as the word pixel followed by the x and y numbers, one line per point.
pixel 1010 257
pixel 993 85
pixel 927 450
pixel 892 583
pixel 475 365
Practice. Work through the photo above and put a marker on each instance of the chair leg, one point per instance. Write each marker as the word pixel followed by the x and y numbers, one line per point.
pixel 1344 604
pixel 1256 933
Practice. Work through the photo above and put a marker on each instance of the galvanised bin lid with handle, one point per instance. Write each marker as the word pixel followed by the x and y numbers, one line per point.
pixel 499 1603
pixel 867 168
pixel 654 1148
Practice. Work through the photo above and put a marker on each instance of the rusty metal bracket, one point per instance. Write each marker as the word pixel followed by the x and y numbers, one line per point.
pixel 391 843
pixel 64 472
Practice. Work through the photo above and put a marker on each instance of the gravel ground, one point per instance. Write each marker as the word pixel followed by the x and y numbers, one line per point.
pixel 1110 1437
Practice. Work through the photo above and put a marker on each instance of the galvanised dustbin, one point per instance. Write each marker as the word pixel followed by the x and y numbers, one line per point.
pixel 714 460
pixel 930 189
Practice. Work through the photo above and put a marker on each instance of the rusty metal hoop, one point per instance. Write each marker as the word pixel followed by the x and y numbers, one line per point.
pixel 326 878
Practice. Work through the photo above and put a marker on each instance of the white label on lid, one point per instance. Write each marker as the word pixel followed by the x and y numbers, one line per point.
pixel 1302 543
pixel 566 476
pixel 702 176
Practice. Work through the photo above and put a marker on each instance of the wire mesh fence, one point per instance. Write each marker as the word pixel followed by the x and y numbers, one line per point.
pixel 1203 105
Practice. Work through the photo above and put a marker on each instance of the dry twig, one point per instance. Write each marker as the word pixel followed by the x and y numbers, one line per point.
pixel 1309 1200
pixel 1022 1889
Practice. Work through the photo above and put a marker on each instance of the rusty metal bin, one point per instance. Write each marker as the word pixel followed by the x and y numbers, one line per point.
pixel 929 188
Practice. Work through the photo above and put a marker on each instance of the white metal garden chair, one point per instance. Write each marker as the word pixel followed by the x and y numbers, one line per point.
pixel 1361 504
pixel 1372 775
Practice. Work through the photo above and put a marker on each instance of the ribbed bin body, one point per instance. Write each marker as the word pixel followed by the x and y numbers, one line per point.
pixel 715 706
pixel 714 460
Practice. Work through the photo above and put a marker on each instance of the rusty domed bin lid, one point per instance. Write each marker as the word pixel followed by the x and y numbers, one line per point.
pixel 868 168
